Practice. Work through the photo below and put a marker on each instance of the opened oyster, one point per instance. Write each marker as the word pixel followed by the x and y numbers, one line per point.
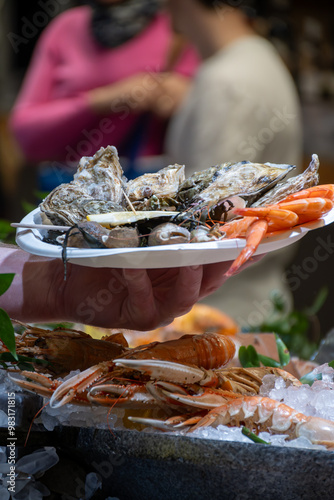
pixel 156 191
pixel 245 179
pixel 98 187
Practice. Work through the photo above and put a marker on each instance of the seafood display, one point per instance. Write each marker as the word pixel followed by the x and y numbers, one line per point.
pixel 187 378
pixel 244 200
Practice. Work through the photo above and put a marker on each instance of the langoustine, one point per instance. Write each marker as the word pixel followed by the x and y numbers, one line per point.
pixel 258 414
pixel 207 351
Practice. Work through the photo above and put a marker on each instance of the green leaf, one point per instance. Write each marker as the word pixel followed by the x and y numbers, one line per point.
pixel 5 282
pixel 7 334
pixel 331 364
pixel 309 378
pixel 27 206
pixel 25 366
pixel 8 357
pixel 269 361
pixel 5 229
pixel 318 302
pixel 283 352
pixel 40 195
pixel 278 300
pixel 248 356
pixel 253 437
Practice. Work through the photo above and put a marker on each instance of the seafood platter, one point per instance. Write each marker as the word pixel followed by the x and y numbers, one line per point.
pixel 188 383
pixel 223 213
pixel 177 399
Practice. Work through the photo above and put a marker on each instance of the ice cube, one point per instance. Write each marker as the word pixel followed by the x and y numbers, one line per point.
pixel 92 484
pixel 39 461
pixel 3 419
pixel 4 493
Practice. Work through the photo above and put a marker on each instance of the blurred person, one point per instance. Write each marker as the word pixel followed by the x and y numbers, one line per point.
pixel 242 105
pixel 136 299
pixel 91 83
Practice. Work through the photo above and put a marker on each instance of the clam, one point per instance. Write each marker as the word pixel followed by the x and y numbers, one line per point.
pixel 168 234
pixel 122 237
pixel 203 234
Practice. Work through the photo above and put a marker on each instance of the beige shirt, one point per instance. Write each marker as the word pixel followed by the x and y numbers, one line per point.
pixel 242 106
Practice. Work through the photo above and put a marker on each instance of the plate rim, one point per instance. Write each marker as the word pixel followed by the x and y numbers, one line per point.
pixel 27 238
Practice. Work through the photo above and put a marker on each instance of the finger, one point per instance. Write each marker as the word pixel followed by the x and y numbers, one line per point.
pixel 186 290
pixel 213 277
pixel 140 305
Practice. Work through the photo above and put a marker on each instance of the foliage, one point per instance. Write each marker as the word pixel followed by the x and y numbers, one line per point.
pixel 311 377
pixel 7 232
pixel 7 334
pixel 249 357
pixel 292 326
pixel 253 437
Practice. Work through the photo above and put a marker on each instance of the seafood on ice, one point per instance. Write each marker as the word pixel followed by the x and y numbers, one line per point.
pixel 188 378
pixel 232 200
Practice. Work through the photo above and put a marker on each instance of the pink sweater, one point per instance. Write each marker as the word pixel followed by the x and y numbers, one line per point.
pixel 51 119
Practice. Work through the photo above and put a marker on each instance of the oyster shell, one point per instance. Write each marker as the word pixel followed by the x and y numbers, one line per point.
pixel 102 175
pixel 156 191
pixel 199 181
pixel 245 179
pixel 98 187
pixel 308 178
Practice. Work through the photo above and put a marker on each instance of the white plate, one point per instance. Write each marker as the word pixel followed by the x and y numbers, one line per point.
pixel 189 254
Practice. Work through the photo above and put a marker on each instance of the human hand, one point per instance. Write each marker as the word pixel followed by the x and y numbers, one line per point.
pixel 137 298
pixel 135 92
pixel 170 93
pixel 160 93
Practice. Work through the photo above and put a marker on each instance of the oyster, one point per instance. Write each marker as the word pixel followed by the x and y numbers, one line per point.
pixel 102 175
pixel 98 187
pixel 245 179
pixel 199 181
pixel 308 178
pixel 156 191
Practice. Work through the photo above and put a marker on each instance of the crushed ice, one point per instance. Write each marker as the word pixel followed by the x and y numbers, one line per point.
pixel 316 400
pixel 28 469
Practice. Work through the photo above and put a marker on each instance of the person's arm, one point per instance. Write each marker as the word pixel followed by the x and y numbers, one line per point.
pixel 122 298
pixel 42 125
